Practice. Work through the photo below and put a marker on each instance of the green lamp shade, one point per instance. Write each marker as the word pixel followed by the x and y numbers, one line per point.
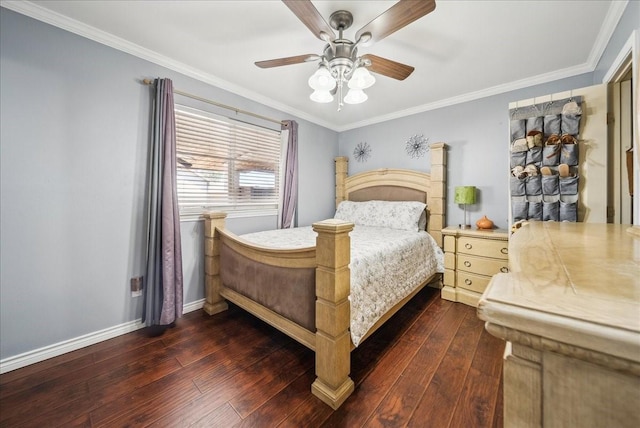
pixel 465 195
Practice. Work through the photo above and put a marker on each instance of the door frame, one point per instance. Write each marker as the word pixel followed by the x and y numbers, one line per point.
pixel 628 56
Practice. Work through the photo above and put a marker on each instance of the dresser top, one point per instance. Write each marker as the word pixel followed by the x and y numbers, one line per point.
pixel 571 276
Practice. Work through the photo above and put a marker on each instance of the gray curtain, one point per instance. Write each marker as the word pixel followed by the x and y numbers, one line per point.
pixel 163 278
pixel 289 184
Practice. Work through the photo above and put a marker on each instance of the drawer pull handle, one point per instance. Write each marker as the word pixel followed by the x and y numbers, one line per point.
pixel 468 281
pixel 504 250
pixel 468 246
pixel 504 269
pixel 467 263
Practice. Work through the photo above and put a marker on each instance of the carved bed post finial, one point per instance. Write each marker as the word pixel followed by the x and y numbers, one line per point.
pixel 333 313
pixel 214 302
pixel 437 195
pixel 342 168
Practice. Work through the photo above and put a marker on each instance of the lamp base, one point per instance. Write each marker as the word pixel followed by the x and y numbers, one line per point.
pixel 464 226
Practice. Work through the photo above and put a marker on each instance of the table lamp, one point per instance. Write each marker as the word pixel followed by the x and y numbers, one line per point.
pixel 465 195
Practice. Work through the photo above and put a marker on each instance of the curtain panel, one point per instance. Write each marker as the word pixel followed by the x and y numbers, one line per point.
pixel 288 175
pixel 163 280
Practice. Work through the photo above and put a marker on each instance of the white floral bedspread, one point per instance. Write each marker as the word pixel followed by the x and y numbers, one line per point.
pixel 386 266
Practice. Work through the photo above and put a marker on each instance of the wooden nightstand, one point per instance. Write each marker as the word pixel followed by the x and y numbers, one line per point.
pixel 471 258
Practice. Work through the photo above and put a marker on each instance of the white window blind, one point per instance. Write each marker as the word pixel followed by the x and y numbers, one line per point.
pixel 225 165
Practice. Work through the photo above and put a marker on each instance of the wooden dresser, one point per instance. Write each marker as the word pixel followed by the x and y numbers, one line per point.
pixel 569 310
pixel 471 258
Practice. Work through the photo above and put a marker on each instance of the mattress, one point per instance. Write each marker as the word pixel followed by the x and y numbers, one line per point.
pixel 386 266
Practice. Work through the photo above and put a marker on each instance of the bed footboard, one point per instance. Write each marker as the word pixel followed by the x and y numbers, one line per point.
pixel 214 302
pixel 333 313
pixel 332 340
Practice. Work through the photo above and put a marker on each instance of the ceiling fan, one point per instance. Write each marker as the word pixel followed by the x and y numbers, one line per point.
pixel 339 61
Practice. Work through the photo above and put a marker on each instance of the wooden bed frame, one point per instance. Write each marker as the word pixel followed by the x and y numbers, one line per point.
pixel 330 259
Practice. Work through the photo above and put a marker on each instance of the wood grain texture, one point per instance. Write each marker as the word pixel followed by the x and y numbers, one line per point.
pixel 232 369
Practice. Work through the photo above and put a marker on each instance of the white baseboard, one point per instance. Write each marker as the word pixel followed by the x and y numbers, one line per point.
pixel 44 353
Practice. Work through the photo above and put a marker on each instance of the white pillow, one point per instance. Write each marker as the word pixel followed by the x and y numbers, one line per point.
pixel 403 215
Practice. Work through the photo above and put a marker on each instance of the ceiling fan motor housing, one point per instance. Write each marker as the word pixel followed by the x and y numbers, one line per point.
pixel 341 57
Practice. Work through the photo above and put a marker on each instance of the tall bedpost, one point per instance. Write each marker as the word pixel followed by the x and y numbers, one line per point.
pixel 437 195
pixel 333 340
pixel 342 168
pixel 214 302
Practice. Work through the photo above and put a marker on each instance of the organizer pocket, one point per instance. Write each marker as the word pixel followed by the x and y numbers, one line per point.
pixel 570 123
pixel 534 156
pixel 551 211
pixel 569 154
pixel 550 185
pixel 535 210
pixel 533 186
pixel 518 129
pixel 518 158
pixel 517 186
pixel 568 211
pixel 550 155
pixel 552 124
pixel 535 124
pixel 568 185
pixel 519 209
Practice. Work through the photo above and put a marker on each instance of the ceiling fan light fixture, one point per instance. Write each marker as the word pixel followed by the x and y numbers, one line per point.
pixel 355 96
pixel 322 80
pixel 321 96
pixel 361 79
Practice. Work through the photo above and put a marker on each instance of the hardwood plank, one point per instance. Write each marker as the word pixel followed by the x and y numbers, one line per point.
pixel 196 372
pixel 275 410
pixel 223 416
pixel 476 405
pixel 218 365
pixel 404 396
pixel 28 381
pixel 371 391
pixel 436 405
pixel 312 412
pixel 227 389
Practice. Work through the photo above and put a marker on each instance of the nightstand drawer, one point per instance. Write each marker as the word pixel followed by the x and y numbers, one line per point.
pixel 480 265
pixel 472 282
pixel 483 247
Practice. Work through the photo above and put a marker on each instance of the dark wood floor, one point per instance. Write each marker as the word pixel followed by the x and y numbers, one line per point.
pixel 431 365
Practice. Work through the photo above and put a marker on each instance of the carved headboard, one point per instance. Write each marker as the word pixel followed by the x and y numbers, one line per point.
pixel 400 185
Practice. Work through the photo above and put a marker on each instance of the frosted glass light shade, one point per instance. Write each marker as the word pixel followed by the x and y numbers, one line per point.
pixel 465 195
pixel 355 96
pixel 361 79
pixel 321 96
pixel 322 80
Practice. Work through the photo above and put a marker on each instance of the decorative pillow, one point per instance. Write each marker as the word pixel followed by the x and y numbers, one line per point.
pixel 391 214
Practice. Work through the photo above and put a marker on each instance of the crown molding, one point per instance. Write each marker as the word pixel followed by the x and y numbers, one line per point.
pixel 89 32
pixel 615 12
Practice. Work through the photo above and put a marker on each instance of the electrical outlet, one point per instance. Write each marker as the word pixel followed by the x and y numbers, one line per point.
pixel 136 286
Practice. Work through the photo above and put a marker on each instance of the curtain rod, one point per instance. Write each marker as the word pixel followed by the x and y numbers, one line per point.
pixel 204 100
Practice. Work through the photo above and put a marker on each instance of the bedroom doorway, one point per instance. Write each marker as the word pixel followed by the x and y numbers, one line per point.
pixel 620 203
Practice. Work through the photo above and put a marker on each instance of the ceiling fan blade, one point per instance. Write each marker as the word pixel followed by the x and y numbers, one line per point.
pixel 309 15
pixel 396 17
pixel 388 68
pixel 287 61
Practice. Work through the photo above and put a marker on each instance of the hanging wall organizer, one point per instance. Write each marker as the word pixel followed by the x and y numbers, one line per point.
pixel 544 160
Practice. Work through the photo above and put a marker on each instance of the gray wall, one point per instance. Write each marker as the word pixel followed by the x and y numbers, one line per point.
pixel 477 135
pixel 73 153
pixel 73 148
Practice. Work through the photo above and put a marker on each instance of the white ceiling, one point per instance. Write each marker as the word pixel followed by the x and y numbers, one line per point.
pixel 461 51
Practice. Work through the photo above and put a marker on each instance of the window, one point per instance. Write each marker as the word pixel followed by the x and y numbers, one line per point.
pixel 225 165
